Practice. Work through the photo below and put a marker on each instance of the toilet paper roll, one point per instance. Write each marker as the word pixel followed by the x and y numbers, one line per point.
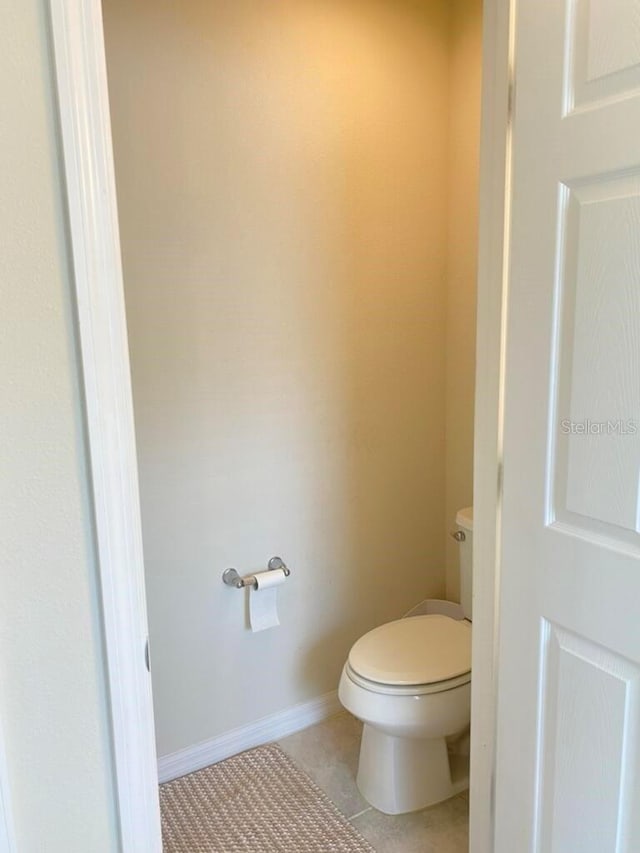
pixel 263 602
pixel 272 578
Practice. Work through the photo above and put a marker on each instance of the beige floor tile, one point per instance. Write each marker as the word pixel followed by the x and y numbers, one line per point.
pixel 440 829
pixel 328 753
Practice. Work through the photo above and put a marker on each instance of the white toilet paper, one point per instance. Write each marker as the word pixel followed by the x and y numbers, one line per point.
pixel 263 602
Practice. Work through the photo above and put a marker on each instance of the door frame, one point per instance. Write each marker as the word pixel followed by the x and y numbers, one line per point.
pixel 498 96
pixel 7 837
pixel 85 128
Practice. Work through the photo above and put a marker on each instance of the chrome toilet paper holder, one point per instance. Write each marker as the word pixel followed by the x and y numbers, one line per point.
pixel 231 577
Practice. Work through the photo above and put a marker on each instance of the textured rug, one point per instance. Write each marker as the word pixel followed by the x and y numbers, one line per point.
pixel 256 802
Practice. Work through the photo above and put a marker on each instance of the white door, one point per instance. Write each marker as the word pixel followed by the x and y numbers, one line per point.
pixel 568 737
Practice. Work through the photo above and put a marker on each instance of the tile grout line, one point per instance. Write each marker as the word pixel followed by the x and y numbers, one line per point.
pixel 358 814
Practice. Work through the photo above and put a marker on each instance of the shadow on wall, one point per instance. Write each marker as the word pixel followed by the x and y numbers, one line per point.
pixel 281 173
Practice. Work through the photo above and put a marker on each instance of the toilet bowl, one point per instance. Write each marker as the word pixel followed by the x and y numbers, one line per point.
pixel 409 682
pixel 410 700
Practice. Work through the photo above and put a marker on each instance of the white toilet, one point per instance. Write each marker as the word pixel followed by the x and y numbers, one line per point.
pixel 409 681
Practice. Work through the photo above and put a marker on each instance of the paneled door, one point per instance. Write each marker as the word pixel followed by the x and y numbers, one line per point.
pixel 568 735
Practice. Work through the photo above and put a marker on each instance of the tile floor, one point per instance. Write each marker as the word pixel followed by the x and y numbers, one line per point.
pixel 328 753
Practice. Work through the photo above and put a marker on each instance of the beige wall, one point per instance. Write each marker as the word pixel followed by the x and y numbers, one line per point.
pixel 464 136
pixel 282 180
pixel 52 699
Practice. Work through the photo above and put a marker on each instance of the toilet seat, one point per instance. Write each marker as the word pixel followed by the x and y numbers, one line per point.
pixel 406 689
pixel 421 654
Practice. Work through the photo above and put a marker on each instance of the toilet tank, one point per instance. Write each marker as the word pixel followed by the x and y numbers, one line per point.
pixel 464 522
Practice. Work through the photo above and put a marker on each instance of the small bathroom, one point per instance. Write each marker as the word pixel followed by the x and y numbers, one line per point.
pixel 297 189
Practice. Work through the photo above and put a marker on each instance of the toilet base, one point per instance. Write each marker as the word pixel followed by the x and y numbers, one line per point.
pixel 402 774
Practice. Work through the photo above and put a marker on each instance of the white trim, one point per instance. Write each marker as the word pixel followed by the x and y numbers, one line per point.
pixel 492 265
pixel 93 222
pixel 7 838
pixel 265 730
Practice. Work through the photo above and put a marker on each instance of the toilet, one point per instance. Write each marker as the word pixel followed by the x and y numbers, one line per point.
pixel 409 681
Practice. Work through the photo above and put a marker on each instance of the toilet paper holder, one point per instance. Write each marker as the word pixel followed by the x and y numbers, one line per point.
pixel 231 577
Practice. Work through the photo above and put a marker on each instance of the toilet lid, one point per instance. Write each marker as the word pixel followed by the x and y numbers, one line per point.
pixel 417 650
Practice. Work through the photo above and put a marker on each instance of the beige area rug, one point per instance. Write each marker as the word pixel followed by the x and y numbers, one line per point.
pixel 256 802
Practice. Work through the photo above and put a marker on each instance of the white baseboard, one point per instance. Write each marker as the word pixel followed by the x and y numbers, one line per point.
pixel 264 730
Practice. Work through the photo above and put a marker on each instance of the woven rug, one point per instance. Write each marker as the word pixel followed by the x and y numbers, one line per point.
pixel 256 802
